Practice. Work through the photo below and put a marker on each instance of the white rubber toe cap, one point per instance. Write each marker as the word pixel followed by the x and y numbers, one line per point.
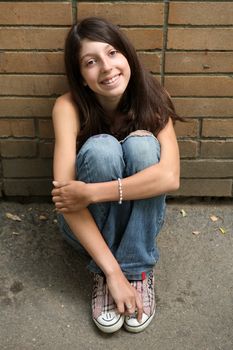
pixel 131 324
pixel 109 322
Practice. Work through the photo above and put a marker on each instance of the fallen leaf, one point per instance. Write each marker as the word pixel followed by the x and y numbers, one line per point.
pixel 222 230
pixel 15 233
pixel 196 233
pixel 213 218
pixel 42 217
pixel 183 213
pixel 13 217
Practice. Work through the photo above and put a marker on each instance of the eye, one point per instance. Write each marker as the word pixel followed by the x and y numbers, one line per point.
pixel 113 52
pixel 91 62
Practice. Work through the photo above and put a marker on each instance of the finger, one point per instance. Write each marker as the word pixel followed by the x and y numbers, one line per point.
pixel 120 308
pixel 130 308
pixel 55 192
pixel 59 184
pixel 59 205
pixel 56 199
pixel 63 210
pixel 139 307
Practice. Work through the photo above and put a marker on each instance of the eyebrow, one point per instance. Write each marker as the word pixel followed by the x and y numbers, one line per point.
pixel 93 54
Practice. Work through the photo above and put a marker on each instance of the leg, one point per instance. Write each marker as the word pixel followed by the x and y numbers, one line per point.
pixel 100 160
pixel 137 251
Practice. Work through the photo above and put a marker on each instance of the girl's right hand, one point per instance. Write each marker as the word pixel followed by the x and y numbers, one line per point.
pixel 124 294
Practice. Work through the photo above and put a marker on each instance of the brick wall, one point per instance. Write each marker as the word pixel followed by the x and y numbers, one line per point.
pixel 187 45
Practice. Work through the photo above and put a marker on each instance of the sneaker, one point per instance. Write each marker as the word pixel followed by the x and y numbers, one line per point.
pixel 104 310
pixel 145 288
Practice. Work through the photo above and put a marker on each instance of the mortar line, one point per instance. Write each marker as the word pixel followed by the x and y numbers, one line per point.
pixel 74 10
pixel 165 32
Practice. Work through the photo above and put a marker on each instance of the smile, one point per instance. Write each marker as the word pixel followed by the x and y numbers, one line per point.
pixel 111 80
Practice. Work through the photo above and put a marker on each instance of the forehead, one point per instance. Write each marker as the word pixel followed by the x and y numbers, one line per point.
pixel 92 47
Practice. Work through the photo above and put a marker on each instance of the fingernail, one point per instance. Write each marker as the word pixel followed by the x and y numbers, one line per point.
pixel 55 183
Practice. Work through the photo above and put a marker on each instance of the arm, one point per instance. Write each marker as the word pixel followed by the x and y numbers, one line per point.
pixel 66 127
pixel 153 181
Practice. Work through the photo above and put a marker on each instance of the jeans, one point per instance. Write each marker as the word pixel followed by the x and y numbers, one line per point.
pixel 129 229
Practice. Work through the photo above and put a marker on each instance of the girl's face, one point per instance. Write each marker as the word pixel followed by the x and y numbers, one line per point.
pixel 105 70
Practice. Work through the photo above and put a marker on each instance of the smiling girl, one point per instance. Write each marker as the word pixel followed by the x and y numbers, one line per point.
pixel 115 157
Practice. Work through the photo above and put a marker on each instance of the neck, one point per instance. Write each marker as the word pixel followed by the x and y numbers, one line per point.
pixel 110 105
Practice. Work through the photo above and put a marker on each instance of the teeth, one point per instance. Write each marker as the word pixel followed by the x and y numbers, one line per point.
pixel 110 81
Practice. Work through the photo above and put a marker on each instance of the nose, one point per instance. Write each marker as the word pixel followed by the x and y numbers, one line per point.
pixel 106 64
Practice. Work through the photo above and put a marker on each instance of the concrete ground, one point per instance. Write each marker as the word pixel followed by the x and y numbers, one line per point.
pixel 45 290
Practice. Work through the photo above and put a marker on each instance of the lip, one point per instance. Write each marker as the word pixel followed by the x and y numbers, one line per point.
pixel 111 80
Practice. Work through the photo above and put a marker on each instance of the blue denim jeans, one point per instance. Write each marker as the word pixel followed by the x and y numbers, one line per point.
pixel 130 229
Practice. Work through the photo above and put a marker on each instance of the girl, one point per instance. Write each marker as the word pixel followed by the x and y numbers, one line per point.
pixel 115 157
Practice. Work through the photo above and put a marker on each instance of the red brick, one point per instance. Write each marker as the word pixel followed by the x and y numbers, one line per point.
pixel 204 107
pixel 46 149
pixel 26 106
pixel 26 168
pixel 141 13
pixel 188 148
pixel 199 85
pixel 201 13
pixel 205 187
pixel 200 38
pixel 145 39
pixel 217 128
pixel 32 62
pixel 17 128
pixel 18 148
pixel 217 149
pixel 33 85
pixel 198 62
pixel 29 38
pixel 34 13
pixel 187 129
pixel 206 168
pixel 29 187
pixel 46 129
pixel 157 77
pixel 151 61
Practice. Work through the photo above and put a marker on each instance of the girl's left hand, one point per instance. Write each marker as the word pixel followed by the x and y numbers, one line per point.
pixel 70 196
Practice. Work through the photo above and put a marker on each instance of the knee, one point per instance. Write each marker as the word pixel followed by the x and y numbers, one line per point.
pixel 141 150
pixel 102 154
pixel 101 148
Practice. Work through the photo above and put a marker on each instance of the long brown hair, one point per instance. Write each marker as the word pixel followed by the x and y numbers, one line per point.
pixel 145 103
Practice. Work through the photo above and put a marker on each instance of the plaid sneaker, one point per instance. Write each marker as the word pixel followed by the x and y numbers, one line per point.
pixel 104 311
pixel 145 289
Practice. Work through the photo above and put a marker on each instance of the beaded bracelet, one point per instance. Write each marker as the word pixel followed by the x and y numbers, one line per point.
pixel 120 191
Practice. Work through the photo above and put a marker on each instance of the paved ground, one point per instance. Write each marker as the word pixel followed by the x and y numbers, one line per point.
pixel 45 289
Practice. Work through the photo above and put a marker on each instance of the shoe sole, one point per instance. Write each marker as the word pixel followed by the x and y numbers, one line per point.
pixel 111 328
pixel 140 327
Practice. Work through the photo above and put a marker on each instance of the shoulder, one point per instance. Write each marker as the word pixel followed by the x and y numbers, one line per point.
pixel 65 103
pixel 167 133
pixel 65 114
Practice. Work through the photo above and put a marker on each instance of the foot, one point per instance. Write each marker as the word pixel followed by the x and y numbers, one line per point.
pixel 145 288
pixel 104 312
